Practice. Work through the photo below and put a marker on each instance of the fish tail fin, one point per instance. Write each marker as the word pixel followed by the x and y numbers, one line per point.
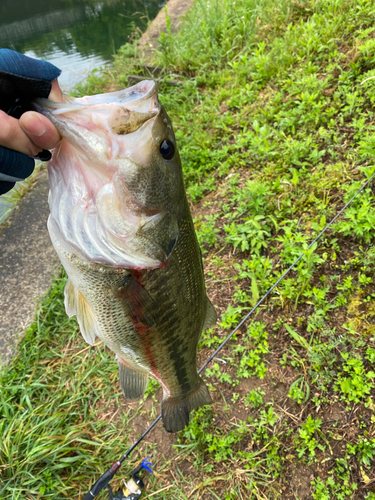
pixel 175 411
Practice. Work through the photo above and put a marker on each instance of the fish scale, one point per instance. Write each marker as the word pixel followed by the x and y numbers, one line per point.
pixel 121 225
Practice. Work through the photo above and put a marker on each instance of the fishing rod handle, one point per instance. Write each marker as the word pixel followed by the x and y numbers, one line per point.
pixel 102 482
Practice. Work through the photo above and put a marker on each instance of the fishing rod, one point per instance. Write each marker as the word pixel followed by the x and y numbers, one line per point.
pixel 103 481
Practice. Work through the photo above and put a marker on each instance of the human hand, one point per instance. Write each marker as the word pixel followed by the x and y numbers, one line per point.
pixel 24 133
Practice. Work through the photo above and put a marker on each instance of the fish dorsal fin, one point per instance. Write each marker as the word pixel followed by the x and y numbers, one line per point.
pixel 70 299
pixel 85 319
pixel 211 316
pixel 133 382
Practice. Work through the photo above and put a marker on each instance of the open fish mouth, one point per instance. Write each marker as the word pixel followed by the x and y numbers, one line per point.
pixel 141 93
pixel 130 109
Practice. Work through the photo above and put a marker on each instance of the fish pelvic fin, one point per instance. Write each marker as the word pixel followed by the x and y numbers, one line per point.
pixel 133 382
pixel 176 411
pixel 70 299
pixel 211 316
pixel 86 319
pixel 76 304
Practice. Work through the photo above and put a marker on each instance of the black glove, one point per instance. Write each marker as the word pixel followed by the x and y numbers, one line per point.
pixel 22 79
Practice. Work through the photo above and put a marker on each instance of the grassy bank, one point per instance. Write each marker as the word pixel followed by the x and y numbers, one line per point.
pixel 275 132
pixel 9 200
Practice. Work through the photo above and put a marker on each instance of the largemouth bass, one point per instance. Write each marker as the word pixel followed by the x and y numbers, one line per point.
pixel 121 225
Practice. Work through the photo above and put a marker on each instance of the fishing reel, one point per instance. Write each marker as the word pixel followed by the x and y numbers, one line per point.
pixel 132 489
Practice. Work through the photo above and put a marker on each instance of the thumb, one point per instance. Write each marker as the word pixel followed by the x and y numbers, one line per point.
pixel 40 130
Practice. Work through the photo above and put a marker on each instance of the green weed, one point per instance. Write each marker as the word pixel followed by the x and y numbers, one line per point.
pixel 252 351
pixel 354 382
pixel 255 398
pixel 308 439
pixel 206 231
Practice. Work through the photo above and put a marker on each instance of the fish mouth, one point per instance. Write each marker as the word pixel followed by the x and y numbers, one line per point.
pixel 132 97
pixel 124 112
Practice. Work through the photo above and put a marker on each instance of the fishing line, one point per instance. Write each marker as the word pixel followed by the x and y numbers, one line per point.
pixel 282 276
pixel 107 476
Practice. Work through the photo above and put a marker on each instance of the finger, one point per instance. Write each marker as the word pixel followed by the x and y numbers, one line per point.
pixel 13 137
pixel 40 131
pixel 38 128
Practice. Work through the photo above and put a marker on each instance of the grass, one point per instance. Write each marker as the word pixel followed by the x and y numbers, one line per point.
pixel 9 200
pixel 275 133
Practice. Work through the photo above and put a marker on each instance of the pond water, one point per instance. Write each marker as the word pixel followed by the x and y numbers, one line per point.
pixel 75 35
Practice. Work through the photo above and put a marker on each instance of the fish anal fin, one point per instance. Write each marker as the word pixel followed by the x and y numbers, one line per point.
pixel 176 411
pixel 211 316
pixel 70 299
pixel 133 382
pixel 85 318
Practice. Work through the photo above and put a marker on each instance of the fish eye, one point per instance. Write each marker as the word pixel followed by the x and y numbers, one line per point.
pixel 167 149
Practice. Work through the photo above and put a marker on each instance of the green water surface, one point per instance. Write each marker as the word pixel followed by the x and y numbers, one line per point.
pixel 75 35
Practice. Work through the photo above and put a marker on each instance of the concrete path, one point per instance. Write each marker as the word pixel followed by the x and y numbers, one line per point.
pixel 27 263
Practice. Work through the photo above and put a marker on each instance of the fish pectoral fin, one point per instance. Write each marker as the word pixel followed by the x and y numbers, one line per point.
pixel 138 302
pixel 70 299
pixel 133 382
pixel 211 316
pixel 176 411
pixel 86 319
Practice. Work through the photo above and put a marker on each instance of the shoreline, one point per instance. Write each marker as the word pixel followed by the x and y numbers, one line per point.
pixel 175 9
